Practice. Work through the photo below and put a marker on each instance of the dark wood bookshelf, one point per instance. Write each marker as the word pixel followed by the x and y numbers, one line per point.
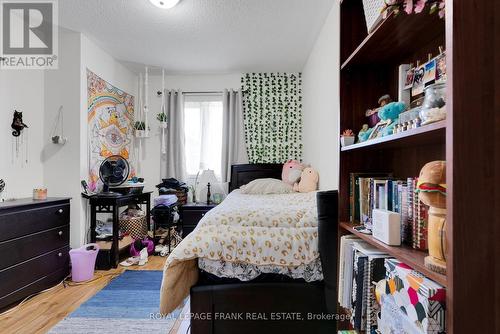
pixel 467 140
pixel 395 38
pixel 412 257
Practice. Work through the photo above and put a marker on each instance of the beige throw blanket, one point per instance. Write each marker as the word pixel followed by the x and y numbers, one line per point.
pixel 276 230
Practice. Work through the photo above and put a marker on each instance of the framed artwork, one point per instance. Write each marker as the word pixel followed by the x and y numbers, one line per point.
pixel 377 130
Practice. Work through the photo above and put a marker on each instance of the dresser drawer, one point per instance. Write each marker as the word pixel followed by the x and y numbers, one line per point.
pixel 21 275
pixel 40 284
pixel 21 223
pixel 192 217
pixel 27 247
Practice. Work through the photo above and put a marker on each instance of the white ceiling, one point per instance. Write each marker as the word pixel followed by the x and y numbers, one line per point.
pixel 201 36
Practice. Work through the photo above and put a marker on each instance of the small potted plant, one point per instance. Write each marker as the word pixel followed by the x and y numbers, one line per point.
pixel 140 129
pixel 162 117
pixel 347 138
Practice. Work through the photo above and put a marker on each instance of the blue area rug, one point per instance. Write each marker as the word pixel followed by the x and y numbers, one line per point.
pixel 128 304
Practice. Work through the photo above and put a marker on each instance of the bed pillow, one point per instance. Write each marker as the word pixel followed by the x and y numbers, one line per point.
pixel 266 187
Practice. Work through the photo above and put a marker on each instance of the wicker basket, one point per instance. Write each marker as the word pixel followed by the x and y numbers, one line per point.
pixel 137 227
pixel 373 13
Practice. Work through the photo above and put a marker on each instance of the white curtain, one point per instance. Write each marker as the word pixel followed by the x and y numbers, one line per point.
pixel 234 149
pixel 175 158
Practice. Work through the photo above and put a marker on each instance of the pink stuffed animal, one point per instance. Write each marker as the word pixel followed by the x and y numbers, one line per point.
pixel 308 181
pixel 292 170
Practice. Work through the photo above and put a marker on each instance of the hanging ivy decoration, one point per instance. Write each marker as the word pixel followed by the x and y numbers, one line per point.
pixel 272 107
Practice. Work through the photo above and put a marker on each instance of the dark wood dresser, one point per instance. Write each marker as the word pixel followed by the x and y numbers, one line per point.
pixel 34 246
pixel 191 214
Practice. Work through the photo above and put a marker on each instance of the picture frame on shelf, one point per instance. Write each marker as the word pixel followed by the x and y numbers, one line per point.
pixel 377 130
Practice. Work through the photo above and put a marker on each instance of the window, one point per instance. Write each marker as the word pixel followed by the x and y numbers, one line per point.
pixel 203 133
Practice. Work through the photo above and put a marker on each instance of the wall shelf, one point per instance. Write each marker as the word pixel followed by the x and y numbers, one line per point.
pixel 427 134
pixel 412 257
pixel 394 37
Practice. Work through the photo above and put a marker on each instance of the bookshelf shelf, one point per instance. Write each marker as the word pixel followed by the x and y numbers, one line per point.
pixel 427 134
pixel 392 39
pixel 412 257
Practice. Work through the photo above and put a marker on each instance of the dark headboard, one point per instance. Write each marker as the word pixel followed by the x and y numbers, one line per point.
pixel 242 174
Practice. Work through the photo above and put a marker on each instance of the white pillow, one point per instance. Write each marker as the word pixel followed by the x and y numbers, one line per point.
pixel 266 187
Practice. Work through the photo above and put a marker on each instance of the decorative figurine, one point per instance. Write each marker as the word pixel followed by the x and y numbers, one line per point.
pixel 432 192
pixel 208 194
pixel 362 132
pixel 372 114
pixel 18 124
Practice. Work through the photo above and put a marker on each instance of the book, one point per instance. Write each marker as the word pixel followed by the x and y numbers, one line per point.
pixel 354 194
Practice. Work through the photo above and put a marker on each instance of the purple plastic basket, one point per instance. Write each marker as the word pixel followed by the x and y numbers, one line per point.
pixel 83 262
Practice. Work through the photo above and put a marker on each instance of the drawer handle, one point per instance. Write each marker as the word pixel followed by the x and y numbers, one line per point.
pixel 60 211
pixel 60 232
pixel 59 254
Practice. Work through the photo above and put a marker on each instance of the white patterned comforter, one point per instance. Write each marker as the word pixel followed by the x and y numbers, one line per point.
pixel 261 230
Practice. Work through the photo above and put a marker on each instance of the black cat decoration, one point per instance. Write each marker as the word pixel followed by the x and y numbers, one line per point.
pixel 17 123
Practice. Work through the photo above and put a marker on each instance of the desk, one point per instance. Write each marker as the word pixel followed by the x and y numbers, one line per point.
pixel 111 205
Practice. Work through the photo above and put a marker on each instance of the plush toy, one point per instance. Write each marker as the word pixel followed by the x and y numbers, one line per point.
pixel 308 181
pixel 388 113
pixel 291 172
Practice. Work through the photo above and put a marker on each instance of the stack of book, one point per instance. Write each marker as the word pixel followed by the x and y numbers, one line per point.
pixel 368 191
pixel 361 265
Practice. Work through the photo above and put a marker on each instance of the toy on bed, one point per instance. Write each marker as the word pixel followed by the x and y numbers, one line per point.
pixel 292 169
pixel 308 181
pixel 388 114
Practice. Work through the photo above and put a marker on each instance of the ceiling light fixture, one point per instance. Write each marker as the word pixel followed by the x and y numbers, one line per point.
pixel 164 4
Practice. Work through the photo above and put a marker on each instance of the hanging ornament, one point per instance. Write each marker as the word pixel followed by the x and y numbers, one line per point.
pixel 18 124
pixel 59 126
pixel 162 116
pixel 19 142
pixel 146 105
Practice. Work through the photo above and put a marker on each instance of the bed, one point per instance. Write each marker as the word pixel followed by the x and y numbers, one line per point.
pixel 293 231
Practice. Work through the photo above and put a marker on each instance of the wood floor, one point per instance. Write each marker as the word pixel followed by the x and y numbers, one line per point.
pixel 42 312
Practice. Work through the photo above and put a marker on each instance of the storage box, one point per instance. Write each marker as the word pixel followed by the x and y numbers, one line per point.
pixel 421 299
pixel 386 227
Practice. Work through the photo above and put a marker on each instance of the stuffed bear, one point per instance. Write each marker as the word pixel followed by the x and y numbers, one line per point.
pixel 390 112
pixel 308 181
pixel 291 172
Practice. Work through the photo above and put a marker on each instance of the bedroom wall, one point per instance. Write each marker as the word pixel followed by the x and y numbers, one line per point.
pixel 21 90
pixel 321 102
pixel 151 160
pixel 107 67
pixel 62 162
pixel 65 166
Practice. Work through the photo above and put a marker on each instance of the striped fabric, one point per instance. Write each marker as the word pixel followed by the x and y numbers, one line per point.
pixel 129 304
